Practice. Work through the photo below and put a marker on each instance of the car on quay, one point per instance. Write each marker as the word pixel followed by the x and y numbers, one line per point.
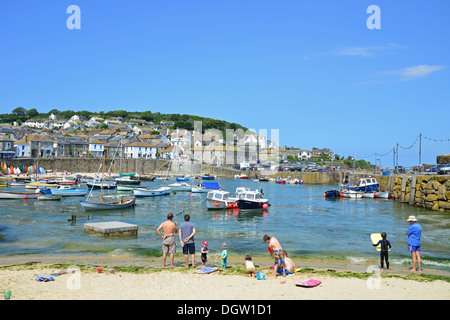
pixel 445 169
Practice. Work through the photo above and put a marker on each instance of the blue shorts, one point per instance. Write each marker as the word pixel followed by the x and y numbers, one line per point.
pixel 189 248
pixel 413 248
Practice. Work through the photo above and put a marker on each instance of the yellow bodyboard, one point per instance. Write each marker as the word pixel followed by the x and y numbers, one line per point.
pixel 375 237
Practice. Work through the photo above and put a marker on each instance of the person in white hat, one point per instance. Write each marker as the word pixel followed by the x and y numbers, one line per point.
pixel 414 232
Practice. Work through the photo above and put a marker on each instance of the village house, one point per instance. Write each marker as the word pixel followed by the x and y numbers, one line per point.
pixel 138 150
pixel 23 147
pixel 96 148
pixel 7 149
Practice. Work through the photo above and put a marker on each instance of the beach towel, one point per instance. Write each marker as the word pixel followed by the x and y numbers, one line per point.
pixel 44 278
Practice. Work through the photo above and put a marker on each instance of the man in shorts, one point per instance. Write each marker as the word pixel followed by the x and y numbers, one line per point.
pixel 186 234
pixel 168 244
pixel 414 232
pixel 277 251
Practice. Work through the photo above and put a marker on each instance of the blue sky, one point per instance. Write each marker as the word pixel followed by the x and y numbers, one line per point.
pixel 311 69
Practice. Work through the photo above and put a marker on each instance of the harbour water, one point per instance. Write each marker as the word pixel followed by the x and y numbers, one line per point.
pixel 307 225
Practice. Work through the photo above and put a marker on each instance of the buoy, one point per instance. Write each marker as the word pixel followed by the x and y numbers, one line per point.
pixel 216 204
pixel 265 206
pixel 25 197
pixel 235 205
pixel 192 195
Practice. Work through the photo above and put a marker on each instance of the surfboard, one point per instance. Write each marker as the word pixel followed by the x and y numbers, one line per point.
pixel 308 283
pixel 206 270
pixel 375 237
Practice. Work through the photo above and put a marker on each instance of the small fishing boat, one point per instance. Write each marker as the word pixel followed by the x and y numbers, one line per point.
pixel 219 199
pixel 352 194
pixel 182 179
pixel 280 181
pixel 208 177
pixel 49 197
pixel 252 200
pixel 205 187
pixel 124 188
pixel 18 195
pixel 68 191
pixel 145 192
pixel 241 176
pixel 123 203
pixel 127 180
pixel 180 186
pixel 383 194
pixel 364 185
pixel 332 194
pixel 100 185
pixel 35 185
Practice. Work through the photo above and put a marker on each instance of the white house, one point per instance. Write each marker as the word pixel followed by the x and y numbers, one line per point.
pixel 137 150
pixel 304 154
pixel 96 148
pixel 78 118
pixel 23 148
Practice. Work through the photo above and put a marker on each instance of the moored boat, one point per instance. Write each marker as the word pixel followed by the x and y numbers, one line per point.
pixel 220 199
pixel 352 194
pixel 332 194
pixel 252 200
pixel 68 191
pixel 123 203
pixel 365 184
pixel 180 186
pixel 18 195
pixel 144 192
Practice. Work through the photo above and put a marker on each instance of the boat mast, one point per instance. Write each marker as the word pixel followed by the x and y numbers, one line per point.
pixel 103 174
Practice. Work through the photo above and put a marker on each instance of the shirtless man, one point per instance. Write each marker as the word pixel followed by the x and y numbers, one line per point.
pixel 277 251
pixel 168 245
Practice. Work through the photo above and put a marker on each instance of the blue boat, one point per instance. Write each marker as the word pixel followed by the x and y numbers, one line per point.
pixel 365 184
pixel 182 179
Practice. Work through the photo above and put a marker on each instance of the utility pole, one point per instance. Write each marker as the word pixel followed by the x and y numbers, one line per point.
pixel 420 152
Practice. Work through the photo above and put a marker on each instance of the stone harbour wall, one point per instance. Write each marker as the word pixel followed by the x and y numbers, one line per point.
pixel 428 191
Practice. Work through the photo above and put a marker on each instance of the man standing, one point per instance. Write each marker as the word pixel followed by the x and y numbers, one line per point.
pixel 186 234
pixel 168 244
pixel 414 232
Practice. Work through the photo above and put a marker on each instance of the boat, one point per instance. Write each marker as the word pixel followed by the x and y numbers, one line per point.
pixel 252 200
pixel 280 181
pixel 68 191
pixel 332 194
pixel 220 199
pixel 241 176
pixel 124 188
pixel 36 184
pixel 182 179
pixel 123 203
pixel 206 186
pixel 263 179
pixel 365 184
pixel 180 186
pixel 102 185
pixel 383 194
pixel 208 177
pixel 49 197
pixel 352 194
pixel 145 192
pixel 127 180
pixel 18 195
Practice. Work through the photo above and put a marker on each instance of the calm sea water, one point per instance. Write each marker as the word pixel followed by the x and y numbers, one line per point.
pixel 307 225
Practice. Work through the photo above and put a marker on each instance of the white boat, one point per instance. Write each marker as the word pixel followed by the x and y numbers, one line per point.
pixel 200 190
pixel 49 197
pixel 352 194
pixel 124 188
pixel 144 192
pixel 123 203
pixel 219 199
pixel 180 186
pixel 68 191
pixel 383 194
pixel 370 194
pixel 100 185
pixel 18 195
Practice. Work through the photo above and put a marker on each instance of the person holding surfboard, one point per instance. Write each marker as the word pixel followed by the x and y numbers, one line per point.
pixel 384 252
pixel 414 233
pixel 276 250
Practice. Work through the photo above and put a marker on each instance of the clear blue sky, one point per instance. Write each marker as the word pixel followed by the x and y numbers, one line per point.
pixel 311 69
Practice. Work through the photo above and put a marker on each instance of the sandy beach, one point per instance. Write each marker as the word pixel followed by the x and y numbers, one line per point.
pixel 174 283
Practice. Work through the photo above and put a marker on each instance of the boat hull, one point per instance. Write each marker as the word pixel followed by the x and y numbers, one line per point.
pixel 69 193
pixel 252 205
pixel 218 204
pixel 87 205
pixel 332 194
pixel 18 195
pixel 151 192
pixel 99 185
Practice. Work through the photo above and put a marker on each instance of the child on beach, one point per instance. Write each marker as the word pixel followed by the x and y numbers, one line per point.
pixel 224 255
pixel 249 266
pixel 204 252
pixel 384 253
